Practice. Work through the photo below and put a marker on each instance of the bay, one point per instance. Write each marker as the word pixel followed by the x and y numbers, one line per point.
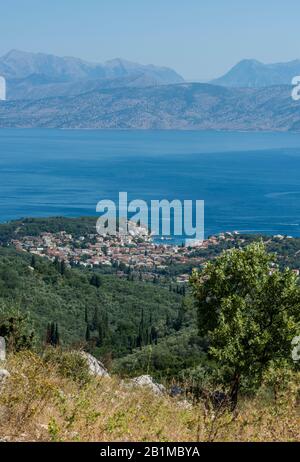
pixel 250 182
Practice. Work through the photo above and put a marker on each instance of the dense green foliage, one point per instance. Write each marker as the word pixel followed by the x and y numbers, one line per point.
pixel 116 311
pixel 173 354
pixel 35 226
pixel 16 329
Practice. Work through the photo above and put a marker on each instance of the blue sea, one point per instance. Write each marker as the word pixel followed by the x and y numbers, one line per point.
pixel 250 182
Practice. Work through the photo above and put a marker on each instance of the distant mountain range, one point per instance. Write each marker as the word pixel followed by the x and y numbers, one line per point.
pixel 49 91
pixel 38 75
pixel 254 74
pixel 179 106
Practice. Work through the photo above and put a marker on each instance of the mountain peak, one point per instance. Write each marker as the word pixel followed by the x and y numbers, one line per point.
pixel 255 74
pixel 249 61
pixel 31 70
pixel 14 53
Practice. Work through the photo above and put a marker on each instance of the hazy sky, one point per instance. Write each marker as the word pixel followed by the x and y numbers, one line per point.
pixel 200 39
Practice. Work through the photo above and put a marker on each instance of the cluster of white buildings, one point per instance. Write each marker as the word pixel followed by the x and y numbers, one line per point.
pixel 135 251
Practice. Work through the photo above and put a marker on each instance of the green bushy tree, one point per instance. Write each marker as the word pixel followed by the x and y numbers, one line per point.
pixel 16 329
pixel 249 310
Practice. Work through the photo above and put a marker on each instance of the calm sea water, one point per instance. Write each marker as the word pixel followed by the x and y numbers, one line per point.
pixel 250 181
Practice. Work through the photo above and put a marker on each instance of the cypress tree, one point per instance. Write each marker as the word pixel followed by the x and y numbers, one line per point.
pixel 179 320
pixel 62 268
pixel 48 334
pixel 33 261
pixel 168 321
pixel 95 280
pixel 142 321
pixel 57 336
pixel 101 336
pixel 139 341
pixel 52 334
pixel 153 336
pixel 95 322
pixel 56 264
pixel 87 333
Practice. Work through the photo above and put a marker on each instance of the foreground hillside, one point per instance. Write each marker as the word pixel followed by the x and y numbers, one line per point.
pixel 40 401
pixel 225 353
pixel 180 106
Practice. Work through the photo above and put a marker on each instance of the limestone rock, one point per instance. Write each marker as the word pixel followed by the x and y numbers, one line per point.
pixel 2 349
pixel 95 366
pixel 147 381
pixel 3 375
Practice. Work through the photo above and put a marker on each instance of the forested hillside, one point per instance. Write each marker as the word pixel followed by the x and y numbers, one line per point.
pixel 82 304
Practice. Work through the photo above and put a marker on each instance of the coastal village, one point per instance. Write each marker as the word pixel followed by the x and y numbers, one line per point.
pixel 135 251
pixel 131 253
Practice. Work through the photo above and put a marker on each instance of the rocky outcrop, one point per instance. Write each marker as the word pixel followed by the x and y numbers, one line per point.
pixel 147 381
pixel 2 349
pixel 3 375
pixel 95 366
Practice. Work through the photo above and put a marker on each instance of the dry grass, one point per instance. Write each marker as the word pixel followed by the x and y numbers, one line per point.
pixel 38 404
